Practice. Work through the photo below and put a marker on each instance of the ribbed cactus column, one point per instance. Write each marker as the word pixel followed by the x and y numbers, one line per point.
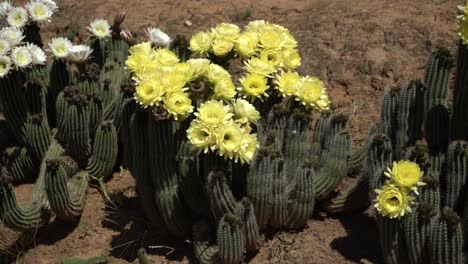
pixel 456 176
pixel 388 115
pixel 38 135
pixel 220 197
pixel 18 164
pixel 231 240
pixel 245 210
pixel 104 156
pixel 446 239
pixel 318 138
pixel 417 228
pixel 460 96
pixel 379 158
pixel 60 76
pixel 391 241
pixel 206 252
pixel 301 199
pixel 95 109
pixel 66 198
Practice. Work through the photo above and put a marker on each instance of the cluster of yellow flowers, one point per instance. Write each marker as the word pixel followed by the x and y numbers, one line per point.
pixel 225 129
pixel 463 23
pixel 395 199
pixel 161 79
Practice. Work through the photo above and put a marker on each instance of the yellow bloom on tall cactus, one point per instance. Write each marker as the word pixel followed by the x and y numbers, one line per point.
pixel 244 109
pixel 226 31
pixel 312 93
pixel 291 59
pixel 166 57
pixel 247 44
pixel 224 89
pixel 199 67
pixel 229 140
pixel 201 135
pixel 259 66
pixel 142 58
pixel 274 57
pixel 222 47
pixel 270 39
pixel 214 113
pixel 249 147
pixel 406 174
pixel 254 86
pixel 255 26
pixel 178 104
pixel 185 69
pixel 173 81
pixel 287 83
pixel 200 43
pixel 149 92
pixel 217 73
pixel 392 201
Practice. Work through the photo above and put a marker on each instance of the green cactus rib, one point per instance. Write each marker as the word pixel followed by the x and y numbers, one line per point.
pixel 353 198
pixel 66 198
pixel 19 165
pixel 455 177
pixel 95 110
pixel 436 78
pixel 39 74
pixel 301 200
pixel 15 106
pixel 88 87
pixel 335 163
pixel 164 174
pixel 205 251
pixel 191 181
pixel 124 132
pixel 459 122
pixel 295 150
pixel 139 163
pixel 409 118
pixel 220 197
pixel 117 51
pixel 98 53
pixel 32 214
pixel 391 241
pixel 108 93
pixel 38 135
pixel 388 116
pixel 246 212
pixel 379 158
pixel 260 185
pixel 75 133
pixel 104 156
pixel 317 140
pixel 180 46
pixel 446 239
pixel 36 98
pixel 417 228
pixel 60 76
pixel 279 202
pixel 231 241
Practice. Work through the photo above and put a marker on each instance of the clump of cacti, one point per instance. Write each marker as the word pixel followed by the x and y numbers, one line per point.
pixel 62 120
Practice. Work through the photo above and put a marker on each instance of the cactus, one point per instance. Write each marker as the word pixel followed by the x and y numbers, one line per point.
pixel 231 240
pixel 205 251
pixel 246 212
pixel 417 228
pixel 446 239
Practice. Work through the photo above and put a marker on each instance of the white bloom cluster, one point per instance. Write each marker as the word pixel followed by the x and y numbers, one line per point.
pixel 37 11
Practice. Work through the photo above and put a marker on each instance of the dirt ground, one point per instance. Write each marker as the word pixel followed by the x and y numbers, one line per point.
pixel 359 48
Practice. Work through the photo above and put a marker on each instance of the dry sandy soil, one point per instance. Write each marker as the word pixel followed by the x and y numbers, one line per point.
pixel 359 48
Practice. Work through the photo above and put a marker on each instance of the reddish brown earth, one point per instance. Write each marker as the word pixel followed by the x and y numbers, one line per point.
pixel 359 48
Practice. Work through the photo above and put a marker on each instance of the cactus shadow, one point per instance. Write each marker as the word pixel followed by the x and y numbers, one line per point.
pixel 362 241
pixel 134 233
pixel 56 231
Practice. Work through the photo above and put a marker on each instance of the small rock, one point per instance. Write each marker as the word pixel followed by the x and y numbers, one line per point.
pixel 188 23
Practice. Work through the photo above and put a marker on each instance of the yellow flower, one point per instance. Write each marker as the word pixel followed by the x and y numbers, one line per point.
pixel 259 66
pixel 244 109
pixel 289 42
pixel 392 201
pixel 149 92
pixel 199 67
pixel 173 81
pixel 224 89
pixel 200 43
pixel 254 86
pixel 185 69
pixel 406 174
pixel 166 57
pixel 141 59
pixel 311 92
pixel 274 57
pixel 270 39
pixel 249 147
pixel 217 73
pixel 222 47
pixel 255 26
pixel 201 136
pixel 247 44
pixel 229 140
pixel 178 104
pixel 226 31
pixel 287 83
pixel 214 113
pixel 291 59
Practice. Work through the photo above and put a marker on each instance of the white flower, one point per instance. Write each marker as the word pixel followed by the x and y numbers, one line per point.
pixel 38 55
pixel 17 17
pixel 158 37
pixel 13 35
pixel 5 8
pixel 21 57
pixel 100 28
pixel 51 4
pixel 5 66
pixel 4 47
pixel 79 53
pixel 60 47
pixel 39 11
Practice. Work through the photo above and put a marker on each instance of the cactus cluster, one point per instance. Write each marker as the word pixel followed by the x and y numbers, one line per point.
pixel 418 124
pixel 62 123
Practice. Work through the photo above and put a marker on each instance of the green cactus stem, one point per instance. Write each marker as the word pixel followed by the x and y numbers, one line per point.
pixel 459 122
pixel 455 177
pixel 231 241
pixel 19 165
pixel 301 199
pixel 205 251
pixel 245 210
pixel 417 228
pixel 446 239
pixel 38 135
pixel 220 197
